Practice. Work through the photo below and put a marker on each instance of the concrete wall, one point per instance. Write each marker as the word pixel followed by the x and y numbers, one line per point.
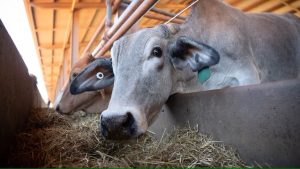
pixel 17 90
pixel 261 121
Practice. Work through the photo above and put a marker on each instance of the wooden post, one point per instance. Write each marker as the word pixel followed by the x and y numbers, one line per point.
pixel 74 38
pixel 64 71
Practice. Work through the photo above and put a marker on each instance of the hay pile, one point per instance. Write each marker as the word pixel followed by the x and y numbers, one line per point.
pixel 53 140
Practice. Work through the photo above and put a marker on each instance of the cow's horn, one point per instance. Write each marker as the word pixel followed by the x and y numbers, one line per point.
pixel 173 28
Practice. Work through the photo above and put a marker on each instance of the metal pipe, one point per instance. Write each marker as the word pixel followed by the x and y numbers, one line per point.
pixel 162 15
pixel 166 13
pixel 125 15
pixel 108 19
pixel 156 10
pixel 140 11
pixel 163 18
pixel 100 28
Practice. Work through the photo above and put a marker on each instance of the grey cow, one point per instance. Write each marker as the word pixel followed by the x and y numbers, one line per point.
pixel 232 47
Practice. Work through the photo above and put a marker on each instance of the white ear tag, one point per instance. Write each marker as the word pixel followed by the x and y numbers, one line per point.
pixel 100 75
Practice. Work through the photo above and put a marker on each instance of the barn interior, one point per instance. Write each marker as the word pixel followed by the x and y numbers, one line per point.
pixel 65 30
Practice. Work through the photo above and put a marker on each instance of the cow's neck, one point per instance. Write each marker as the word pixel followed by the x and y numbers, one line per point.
pixel 206 17
pixel 207 8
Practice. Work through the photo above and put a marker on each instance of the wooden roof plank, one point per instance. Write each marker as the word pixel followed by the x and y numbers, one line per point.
pixel 52 39
pixel 66 37
pixel 286 9
pixel 59 46
pixel 67 5
pixel 246 4
pixel 32 27
pixel 89 21
pixel 80 5
pixel 266 6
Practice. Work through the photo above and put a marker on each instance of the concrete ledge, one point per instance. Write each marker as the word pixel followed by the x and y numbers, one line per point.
pixel 261 121
pixel 16 92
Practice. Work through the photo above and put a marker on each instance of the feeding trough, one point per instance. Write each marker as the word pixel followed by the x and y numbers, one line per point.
pixel 261 121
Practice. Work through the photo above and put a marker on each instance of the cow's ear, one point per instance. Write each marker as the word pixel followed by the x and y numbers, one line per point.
pixel 185 52
pixel 89 57
pixel 96 76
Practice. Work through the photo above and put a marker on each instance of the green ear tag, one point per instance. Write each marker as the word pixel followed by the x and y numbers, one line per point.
pixel 204 75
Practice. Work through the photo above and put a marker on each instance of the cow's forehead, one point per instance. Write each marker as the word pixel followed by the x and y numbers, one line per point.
pixel 141 37
pixel 131 47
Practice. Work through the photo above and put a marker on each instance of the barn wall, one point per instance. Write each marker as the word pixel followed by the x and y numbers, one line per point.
pixel 17 91
pixel 261 121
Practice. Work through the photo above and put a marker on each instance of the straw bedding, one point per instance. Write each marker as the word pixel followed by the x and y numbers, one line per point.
pixel 53 140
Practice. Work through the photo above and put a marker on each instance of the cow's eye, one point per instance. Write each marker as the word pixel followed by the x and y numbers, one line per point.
pixel 74 75
pixel 157 52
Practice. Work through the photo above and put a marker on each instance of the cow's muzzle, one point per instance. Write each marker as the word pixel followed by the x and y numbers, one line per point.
pixel 118 127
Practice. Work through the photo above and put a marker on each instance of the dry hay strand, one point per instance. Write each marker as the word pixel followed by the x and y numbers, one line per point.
pixel 53 140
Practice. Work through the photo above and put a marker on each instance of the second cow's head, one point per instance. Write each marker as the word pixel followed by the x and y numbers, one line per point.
pixel 149 66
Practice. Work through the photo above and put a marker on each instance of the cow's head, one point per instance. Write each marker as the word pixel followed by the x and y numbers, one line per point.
pixel 149 66
pixel 92 101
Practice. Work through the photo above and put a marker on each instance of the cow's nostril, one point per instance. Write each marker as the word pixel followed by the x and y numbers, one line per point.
pixel 104 129
pixel 118 126
pixel 129 120
pixel 58 109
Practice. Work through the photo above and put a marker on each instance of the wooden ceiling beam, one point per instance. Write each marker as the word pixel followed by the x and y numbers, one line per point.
pixel 80 5
pixel 296 11
pixel 151 15
pixel 166 13
pixel 266 6
pixel 245 5
pixel 59 45
pixel 53 41
pixel 91 21
pixel 45 29
pixel 149 25
pixel 253 5
pixel 66 38
pixel 66 5
pixel 292 6
pixel 32 24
